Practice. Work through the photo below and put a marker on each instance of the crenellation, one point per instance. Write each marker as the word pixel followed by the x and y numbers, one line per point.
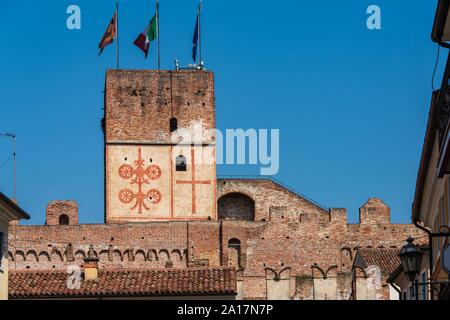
pixel 61 212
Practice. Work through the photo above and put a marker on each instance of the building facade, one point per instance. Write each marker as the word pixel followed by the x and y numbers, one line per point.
pixel 413 291
pixel 9 212
pixel 431 206
pixel 166 209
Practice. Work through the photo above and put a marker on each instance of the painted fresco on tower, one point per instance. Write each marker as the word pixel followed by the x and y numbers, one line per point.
pixel 143 183
pixel 140 176
pixel 194 189
pixel 138 182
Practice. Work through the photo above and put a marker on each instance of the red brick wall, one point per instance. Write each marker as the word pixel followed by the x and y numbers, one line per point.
pixel 140 103
pixel 296 234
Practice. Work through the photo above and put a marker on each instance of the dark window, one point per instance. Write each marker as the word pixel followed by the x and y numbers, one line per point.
pixel 412 292
pixel 173 124
pixel 234 243
pixel 63 220
pixel 424 287
pixel 181 163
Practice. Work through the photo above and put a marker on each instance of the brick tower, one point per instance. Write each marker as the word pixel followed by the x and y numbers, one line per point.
pixel 159 145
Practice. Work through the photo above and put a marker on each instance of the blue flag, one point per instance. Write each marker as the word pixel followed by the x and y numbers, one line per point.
pixel 195 40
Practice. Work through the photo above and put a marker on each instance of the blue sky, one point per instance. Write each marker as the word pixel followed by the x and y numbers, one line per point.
pixel 351 104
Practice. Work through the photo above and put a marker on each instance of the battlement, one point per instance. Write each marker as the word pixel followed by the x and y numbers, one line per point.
pixel 374 211
pixel 61 212
pixel 338 215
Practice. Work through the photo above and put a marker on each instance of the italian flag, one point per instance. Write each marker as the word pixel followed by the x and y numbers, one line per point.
pixel 147 36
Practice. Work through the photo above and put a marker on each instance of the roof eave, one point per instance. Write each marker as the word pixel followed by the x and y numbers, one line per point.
pixel 13 208
pixel 425 158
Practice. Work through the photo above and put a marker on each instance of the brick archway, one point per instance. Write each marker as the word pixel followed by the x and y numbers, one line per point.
pixel 236 206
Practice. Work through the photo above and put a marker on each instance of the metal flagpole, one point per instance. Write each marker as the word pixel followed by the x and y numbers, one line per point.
pixel 157 31
pixel 200 32
pixel 12 136
pixel 14 158
pixel 117 34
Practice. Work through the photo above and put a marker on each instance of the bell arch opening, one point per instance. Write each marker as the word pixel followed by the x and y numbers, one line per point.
pixel 64 220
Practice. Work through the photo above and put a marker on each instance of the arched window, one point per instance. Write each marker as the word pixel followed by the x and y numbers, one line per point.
pixel 173 124
pixel 234 253
pixel 236 206
pixel 234 243
pixel 64 220
pixel 180 163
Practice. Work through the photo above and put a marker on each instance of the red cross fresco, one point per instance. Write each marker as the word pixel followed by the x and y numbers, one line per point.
pixel 193 182
pixel 139 175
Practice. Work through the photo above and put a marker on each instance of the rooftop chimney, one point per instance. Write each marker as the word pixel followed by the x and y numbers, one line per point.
pixel 91 266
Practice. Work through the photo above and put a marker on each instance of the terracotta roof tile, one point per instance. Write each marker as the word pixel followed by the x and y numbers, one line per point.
pixel 387 259
pixel 204 281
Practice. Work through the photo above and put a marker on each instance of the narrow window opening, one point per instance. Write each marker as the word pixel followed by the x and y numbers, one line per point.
pixel 63 220
pixel 181 163
pixel 173 124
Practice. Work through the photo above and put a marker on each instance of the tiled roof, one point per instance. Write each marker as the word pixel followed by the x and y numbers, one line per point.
pixel 387 259
pixel 160 282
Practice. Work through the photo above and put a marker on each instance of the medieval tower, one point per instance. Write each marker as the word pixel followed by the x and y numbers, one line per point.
pixel 159 146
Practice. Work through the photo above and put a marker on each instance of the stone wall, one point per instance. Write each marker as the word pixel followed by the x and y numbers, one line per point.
pixel 291 239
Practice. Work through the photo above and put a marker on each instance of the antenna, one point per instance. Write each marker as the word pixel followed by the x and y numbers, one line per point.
pixel 190 66
pixel 12 136
pixel 117 34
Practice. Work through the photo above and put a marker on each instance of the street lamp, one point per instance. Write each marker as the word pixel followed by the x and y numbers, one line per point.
pixel 441 26
pixel 411 259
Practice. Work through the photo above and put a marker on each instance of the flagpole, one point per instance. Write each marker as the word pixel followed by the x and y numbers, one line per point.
pixel 200 31
pixel 117 34
pixel 157 26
